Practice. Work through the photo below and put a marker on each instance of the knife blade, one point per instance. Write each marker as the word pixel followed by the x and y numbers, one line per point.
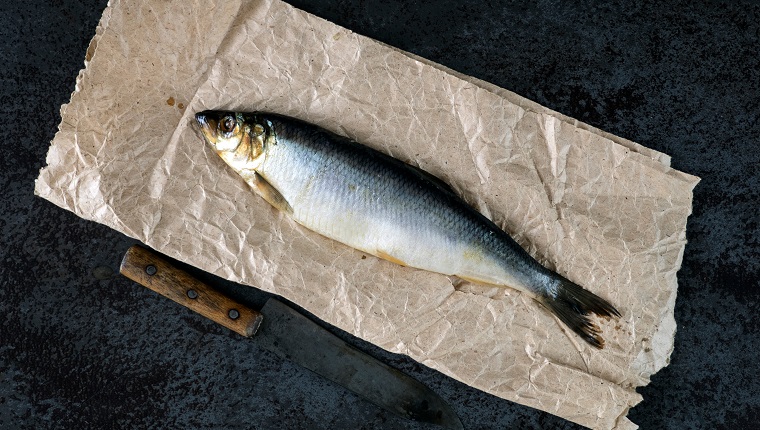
pixel 294 337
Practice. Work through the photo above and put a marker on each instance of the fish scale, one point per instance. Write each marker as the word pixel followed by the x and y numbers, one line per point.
pixel 382 206
pixel 352 193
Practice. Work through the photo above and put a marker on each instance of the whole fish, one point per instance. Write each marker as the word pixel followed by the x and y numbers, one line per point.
pixel 387 208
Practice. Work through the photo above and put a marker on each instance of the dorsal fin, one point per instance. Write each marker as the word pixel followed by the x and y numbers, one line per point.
pixel 435 180
pixel 426 176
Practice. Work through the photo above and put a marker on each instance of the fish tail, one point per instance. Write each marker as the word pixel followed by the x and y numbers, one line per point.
pixel 572 304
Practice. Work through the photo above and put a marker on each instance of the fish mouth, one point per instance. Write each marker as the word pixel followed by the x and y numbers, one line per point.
pixel 201 118
pixel 207 124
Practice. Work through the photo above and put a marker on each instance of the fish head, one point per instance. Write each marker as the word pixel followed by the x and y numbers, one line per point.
pixel 240 139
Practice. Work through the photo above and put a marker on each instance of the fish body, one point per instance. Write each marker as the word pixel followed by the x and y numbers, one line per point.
pixel 377 204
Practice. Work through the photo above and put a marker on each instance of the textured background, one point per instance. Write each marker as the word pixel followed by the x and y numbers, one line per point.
pixel 82 347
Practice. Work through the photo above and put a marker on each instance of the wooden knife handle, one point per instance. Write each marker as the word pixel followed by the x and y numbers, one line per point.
pixel 151 270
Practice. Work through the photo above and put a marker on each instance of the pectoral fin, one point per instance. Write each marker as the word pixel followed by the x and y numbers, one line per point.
pixel 269 193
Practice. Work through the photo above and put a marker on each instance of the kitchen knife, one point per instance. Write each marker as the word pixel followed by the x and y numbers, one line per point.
pixel 292 336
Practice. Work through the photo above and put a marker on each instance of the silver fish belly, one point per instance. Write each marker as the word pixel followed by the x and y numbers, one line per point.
pixel 382 206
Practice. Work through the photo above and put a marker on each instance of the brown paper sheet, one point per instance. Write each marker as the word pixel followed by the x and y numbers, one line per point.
pixel 603 211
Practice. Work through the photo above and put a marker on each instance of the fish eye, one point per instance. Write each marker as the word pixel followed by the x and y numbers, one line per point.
pixel 227 124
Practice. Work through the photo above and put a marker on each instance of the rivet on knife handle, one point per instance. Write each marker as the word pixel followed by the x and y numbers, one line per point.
pixel 151 270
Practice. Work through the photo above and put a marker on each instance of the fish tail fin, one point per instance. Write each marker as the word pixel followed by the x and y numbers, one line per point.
pixel 572 304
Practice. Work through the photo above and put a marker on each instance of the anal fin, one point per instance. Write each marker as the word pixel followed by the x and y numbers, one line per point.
pixel 385 256
pixel 491 283
pixel 475 280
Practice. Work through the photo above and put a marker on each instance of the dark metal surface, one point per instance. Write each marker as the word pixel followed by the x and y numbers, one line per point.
pixel 294 337
pixel 80 348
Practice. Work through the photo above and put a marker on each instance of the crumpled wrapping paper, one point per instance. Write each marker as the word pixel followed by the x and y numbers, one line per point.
pixel 603 211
